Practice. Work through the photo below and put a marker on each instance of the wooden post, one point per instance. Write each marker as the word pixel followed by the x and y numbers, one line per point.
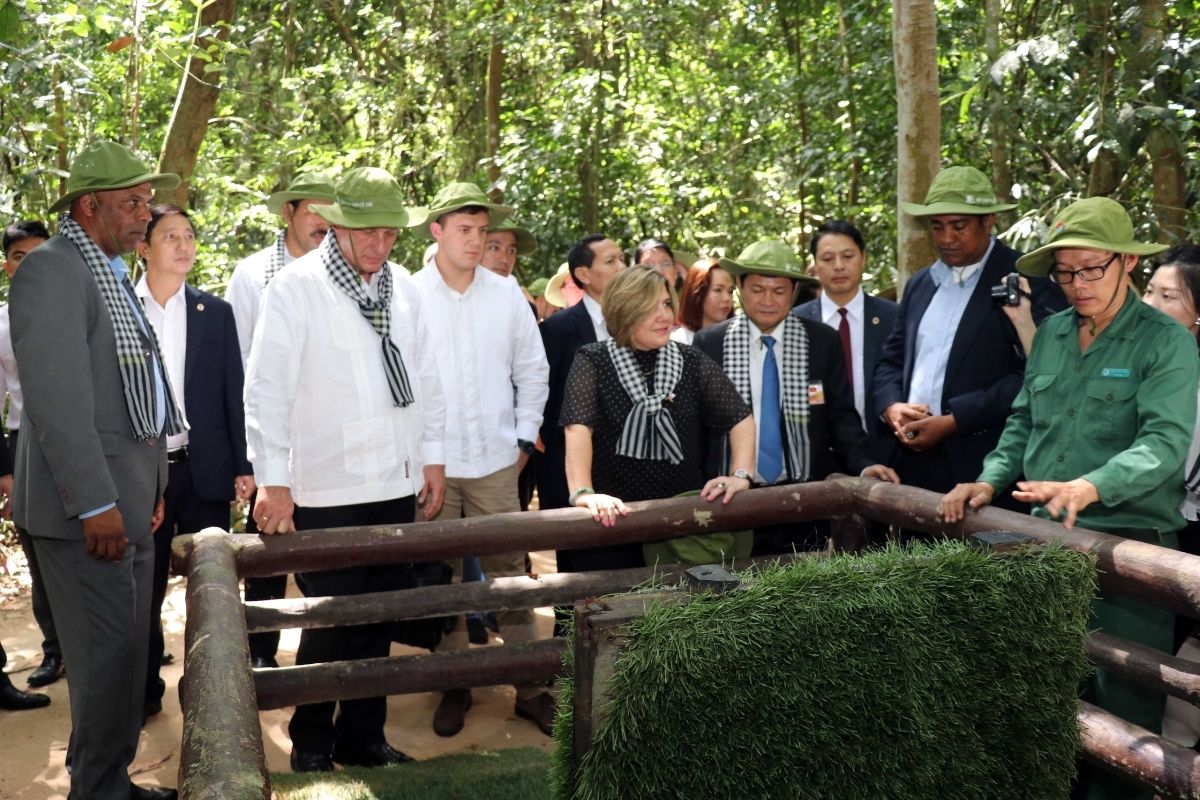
pixel 222 751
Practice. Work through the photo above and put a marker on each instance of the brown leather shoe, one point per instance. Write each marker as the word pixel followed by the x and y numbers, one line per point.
pixel 539 709
pixel 451 712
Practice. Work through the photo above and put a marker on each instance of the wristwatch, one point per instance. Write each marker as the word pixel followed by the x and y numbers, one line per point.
pixel 743 474
pixel 527 447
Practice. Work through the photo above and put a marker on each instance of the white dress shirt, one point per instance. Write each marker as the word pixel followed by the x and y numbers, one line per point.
pixel 170 327
pixel 244 293
pixel 855 315
pixel 319 414
pixel 683 335
pixel 758 356
pixel 593 309
pixel 10 381
pixel 488 349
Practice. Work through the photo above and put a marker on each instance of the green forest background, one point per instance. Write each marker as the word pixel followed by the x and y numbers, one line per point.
pixel 706 123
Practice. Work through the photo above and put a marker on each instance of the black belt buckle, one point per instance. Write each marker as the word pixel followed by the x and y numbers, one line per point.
pixel 178 455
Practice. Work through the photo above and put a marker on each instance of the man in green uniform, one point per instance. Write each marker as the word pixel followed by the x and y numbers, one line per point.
pixel 1101 426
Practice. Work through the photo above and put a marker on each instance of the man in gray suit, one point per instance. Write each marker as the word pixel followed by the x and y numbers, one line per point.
pixel 91 469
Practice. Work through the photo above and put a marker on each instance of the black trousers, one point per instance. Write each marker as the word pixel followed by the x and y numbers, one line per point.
pixel 359 723
pixel 269 587
pixel 41 604
pixel 184 512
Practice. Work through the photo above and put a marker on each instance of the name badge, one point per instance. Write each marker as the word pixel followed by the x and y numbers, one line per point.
pixel 816 393
pixel 1114 372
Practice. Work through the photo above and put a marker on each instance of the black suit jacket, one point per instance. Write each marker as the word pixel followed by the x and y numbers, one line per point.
pixel 836 439
pixel 983 374
pixel 212 380
pixel 563 334
pixel 879 315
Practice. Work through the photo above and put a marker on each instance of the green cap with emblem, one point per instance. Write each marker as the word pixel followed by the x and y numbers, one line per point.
pixel 1094 223
pixel 312 185
pixel 526 241
pixel 767 257
pixel 367 197
pixel 104 166
pixel 958 190
pixel 461 195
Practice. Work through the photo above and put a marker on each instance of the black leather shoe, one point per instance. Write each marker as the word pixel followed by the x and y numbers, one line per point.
pixel 451 712
pixel 539 709
pixel 151 793
pixel 308 761
pixel 150 708
pixel 374 755
pixel 263 662
pixel 50 671
pixel 13 699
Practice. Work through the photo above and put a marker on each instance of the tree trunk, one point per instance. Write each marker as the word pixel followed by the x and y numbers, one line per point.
pixel 918 125
pixel 1162 144
pixel 1106 168
pixel 196 100
pixel 495 88
pixel 593 52
pixel 998 118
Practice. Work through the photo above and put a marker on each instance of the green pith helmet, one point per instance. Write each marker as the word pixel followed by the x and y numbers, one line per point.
pixel 958 190
pixel 367 197
pixel 103 166
pixel 456 196
pixel 1096 223
pixel 767 257
pixel 305 186
pixel 526 242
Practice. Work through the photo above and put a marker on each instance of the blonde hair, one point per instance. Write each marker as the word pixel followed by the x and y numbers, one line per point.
pixel 629 297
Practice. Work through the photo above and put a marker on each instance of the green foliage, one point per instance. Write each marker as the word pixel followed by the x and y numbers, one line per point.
pixel 502 775
pixel 937 672
pixel 703 123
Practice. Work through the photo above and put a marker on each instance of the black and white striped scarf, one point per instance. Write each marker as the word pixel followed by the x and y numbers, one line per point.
pixel 278 256
pixel 138 353
pixel 649 431
pixel 794 386
pixel 377 312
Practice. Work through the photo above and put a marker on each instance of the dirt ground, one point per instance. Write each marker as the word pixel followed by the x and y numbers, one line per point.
pixel 35 742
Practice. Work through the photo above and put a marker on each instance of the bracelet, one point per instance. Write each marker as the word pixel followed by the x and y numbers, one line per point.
pixel 578 493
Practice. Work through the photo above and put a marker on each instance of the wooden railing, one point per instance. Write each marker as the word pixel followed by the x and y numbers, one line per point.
pixel 222 744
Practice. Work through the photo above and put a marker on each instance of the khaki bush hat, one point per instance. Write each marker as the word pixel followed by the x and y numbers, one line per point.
pixel 538 287
pixel 1096 223
pixel 554 287
pixel 958 190
pixel 526 241
pixel 367 197
pixel 305 186
pixel 767 257
pixel 103 166
pixel 461 195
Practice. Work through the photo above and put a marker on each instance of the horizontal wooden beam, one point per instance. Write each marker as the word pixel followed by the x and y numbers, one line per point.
pixel 499 594
pixel 524 531
pixel 527 664
pixel 1156 575
pixel 1126 749
pixel 1154 669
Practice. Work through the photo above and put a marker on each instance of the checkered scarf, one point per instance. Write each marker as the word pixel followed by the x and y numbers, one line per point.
pixel 377 312
pixel 135 341
pixel 649 431
pixel 275 262
pixel 794 385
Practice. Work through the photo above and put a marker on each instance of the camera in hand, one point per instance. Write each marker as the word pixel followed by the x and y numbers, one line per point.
pixel 1008 291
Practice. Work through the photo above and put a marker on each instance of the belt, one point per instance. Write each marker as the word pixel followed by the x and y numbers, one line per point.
pixel 178 455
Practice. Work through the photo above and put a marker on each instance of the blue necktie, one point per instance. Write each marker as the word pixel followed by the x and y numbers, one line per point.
pixel 770 442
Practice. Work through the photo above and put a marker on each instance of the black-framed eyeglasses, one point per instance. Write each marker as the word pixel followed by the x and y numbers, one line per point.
pixel 1065 277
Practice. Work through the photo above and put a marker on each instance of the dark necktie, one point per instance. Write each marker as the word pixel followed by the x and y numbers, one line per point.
pixel 770 440
pixel 847 350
